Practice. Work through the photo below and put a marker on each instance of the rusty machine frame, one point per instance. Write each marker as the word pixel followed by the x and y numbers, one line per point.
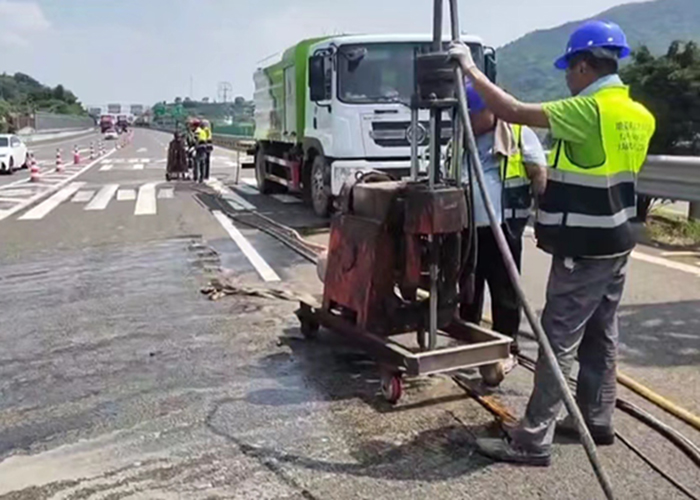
pixel 398 248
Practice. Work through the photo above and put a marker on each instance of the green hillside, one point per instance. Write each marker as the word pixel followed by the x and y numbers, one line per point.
pixel 525 66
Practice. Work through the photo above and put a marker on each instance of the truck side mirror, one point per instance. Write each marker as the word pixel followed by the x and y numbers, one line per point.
pixel 490 66
pixel 318 87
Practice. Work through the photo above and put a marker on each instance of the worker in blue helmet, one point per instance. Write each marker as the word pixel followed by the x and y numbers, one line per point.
pixel 513 163
pixel 584 221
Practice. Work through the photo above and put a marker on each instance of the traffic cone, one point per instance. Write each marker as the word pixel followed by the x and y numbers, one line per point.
pixel 76 156
pixel 59 162
pixel 34 174
pixel 101 148
pixel 92 151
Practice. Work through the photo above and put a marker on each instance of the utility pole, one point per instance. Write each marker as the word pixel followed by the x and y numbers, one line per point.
pixel 225 89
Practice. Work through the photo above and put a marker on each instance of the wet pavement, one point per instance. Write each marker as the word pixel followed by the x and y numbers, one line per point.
pixel 118 379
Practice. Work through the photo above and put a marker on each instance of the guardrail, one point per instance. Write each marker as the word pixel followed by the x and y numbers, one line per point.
pixel 237 143
pixel 671 177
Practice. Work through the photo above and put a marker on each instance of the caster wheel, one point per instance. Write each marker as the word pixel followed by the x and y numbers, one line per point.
pixel 492 375
pixel 309 328
pixel 392 388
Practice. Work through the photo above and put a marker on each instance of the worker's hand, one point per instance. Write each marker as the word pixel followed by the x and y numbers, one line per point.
pixel 461 53
pixel 539 185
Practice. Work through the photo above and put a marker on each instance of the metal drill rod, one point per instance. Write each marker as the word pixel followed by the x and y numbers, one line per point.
pixel 434 165
pixel 542 340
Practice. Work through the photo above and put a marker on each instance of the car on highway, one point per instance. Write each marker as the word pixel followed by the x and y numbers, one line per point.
pixel 13 153
pixel 111 134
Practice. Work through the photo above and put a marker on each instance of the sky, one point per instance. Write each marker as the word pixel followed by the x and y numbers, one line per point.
pixel 144 51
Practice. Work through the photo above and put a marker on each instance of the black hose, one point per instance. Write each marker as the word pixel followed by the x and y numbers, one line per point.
pixel 678 439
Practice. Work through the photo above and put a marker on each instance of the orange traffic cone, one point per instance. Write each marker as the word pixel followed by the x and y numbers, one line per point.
pixel 34 174
pixel 59 162
pixel 76 156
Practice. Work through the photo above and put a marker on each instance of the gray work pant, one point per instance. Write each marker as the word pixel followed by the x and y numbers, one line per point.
pixel 580 317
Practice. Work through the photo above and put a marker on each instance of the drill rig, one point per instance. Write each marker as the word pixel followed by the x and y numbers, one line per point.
pixel 398 249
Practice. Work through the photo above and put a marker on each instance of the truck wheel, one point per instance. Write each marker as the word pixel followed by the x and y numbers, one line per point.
pixel 264 185
pixel 320 186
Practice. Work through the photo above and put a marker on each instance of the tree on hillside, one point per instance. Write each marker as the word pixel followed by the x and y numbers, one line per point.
pixel 670 87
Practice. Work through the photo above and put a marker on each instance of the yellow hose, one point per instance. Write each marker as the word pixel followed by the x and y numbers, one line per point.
pixel 660 401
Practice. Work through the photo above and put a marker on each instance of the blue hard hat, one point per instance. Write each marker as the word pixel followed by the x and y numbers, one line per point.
pixel 474 101
pixel 595 34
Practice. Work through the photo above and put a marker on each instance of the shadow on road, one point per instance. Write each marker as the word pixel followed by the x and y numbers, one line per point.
pixel 666 334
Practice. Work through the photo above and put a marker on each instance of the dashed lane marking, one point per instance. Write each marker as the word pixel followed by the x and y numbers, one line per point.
pixel 260 265
pixel 40 211
pixel 146 200
pixel 126 195
pixel 103 197
pixel 166 193
pixel 83 196
pixel 286 198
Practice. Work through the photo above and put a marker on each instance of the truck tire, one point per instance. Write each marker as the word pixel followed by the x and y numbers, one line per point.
pixel 265 186
pixel 320 191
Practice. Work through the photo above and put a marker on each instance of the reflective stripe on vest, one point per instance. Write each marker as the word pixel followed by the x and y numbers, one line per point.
pixel 517 199
pixel 585 211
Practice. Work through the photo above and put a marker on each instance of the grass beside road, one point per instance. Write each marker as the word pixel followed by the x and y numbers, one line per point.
pixel 673 229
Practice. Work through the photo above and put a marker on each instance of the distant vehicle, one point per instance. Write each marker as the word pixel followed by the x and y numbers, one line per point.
pixel 111 134
pixel 13 153
pixel 106 123
pixel 330 109
pixel 122 123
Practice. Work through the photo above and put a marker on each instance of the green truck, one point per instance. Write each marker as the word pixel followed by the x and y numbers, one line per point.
pixel 330 108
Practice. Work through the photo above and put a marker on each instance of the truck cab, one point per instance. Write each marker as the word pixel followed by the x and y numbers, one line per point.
pixel 355 114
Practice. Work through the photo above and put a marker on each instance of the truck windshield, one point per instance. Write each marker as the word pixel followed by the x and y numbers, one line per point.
pixel 380 72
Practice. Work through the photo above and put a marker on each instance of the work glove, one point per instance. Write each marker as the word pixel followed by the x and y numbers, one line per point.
pixel 461 53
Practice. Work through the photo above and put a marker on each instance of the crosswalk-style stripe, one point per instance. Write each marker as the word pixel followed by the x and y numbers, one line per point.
pixel 246 189
pixel 133 160
pixel 286 198
pixel 106 167
pixel 40 211
pixel 82 196
pixel 107 160
pixel 103 197
pixel 260 265
pixel 126 195
pixel 138 166
pixel 146 200
pixel 166 193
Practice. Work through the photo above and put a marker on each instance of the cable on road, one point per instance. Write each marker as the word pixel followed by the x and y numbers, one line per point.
pixel 683 443
pixel 310 252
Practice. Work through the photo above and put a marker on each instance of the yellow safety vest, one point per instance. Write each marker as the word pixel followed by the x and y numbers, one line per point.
pixel 201 134
pixel 586 211
pixel 207 130
pixel 517 199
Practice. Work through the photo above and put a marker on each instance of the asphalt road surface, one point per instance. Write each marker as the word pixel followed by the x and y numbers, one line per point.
pixel 118 379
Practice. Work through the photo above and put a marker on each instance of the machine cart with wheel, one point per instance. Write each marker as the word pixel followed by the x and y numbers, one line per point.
pixel 177 164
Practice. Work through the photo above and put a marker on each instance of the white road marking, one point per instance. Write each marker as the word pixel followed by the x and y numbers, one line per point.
pixel 17 192
pixel 651 259
pixel 133 160
pixel 83 196
pixel 7 199
pixel 108 160
pixel 286 198
pixel 40 211
pixel 166 193
pixel 228 195
pixel 680 254
pixel 138 166
pixel 246 189
pixel 126 195
pixel 106 167
pixel 146 201
pixel 103 197
pixel 260 265
pixel 142 150
pixel 50 188
pixel 678 266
